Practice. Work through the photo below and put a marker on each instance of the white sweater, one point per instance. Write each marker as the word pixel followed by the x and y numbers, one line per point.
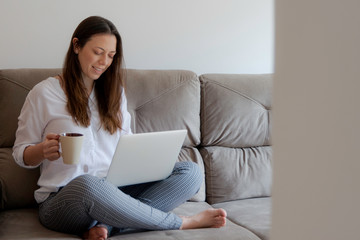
pixel 45 112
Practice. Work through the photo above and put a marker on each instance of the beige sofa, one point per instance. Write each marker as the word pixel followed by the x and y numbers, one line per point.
pixel 228 121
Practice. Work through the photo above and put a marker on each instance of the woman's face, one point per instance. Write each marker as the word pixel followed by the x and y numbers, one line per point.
pixel 96 55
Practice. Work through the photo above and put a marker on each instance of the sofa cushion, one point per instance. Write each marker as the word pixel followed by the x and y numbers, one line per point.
pixel 230 231
pixel 253 214
pixel 24 224
pixel 161 100
pixel 17 184
pixel 235 110
pixel 233 174
pixel 15 84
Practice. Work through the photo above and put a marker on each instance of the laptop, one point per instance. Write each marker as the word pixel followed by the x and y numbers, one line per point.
pixel 145 157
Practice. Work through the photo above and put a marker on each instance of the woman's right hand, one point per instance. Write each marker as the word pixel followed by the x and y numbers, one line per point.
pixel 51 147
pixel 48 149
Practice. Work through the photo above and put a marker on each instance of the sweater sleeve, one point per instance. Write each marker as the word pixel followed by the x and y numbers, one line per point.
pixel 30 126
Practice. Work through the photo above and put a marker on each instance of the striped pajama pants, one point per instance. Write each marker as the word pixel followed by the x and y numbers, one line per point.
pixel 88 200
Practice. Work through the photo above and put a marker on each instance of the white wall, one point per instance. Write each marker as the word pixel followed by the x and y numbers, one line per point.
pixel 316 130
pixel 230 36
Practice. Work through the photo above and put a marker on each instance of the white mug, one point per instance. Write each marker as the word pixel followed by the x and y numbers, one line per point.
pixel 71 144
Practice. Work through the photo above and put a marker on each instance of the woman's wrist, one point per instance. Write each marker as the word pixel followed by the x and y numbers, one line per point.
pixel 33 154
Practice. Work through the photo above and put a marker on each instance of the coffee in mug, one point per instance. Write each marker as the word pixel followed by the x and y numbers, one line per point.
pixel 71 144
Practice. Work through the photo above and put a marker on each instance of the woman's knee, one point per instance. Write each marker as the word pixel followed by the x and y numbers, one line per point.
pixel 190 169
pixel 85 185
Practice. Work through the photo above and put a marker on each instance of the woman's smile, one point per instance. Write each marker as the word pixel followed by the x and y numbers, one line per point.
pixel 98 70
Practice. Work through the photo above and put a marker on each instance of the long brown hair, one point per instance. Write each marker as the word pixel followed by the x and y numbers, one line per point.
pixel 108 88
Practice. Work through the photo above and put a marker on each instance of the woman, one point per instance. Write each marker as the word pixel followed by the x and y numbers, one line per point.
pixel 88 97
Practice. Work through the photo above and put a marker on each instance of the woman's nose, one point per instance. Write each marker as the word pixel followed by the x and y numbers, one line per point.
pixel 103 60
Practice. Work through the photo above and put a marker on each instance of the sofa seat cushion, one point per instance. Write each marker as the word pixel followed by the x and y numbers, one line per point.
pixel 230 231
pixel 253 214
pixel 24 224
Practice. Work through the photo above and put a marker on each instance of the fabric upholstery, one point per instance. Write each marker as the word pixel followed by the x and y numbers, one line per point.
pixel 16 83
pixel 237 173
pixel 24 224
pixel 235 110
pixel 235 128
pixel 253 214
pixel 161 100
pixel 17 184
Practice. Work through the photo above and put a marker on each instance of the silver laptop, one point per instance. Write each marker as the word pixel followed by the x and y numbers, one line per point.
pixel 145 157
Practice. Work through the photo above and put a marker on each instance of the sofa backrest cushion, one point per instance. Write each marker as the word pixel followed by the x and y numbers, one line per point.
pixel 235 110
pixel 161 100
pixel 15 84
pixel 236 133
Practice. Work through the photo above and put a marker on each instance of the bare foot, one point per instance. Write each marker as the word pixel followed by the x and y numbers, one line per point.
pixel 96 233
pixel 210 218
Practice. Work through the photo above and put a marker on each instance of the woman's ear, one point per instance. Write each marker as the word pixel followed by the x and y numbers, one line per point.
pixel 75 42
